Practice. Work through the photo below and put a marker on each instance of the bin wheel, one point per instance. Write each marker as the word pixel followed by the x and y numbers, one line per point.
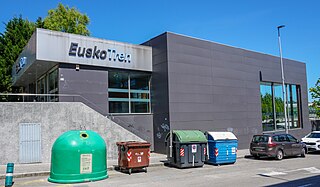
pixel 146 170
pixel 130 170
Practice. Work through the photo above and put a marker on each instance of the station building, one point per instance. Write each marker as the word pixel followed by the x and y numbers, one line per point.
pixel 168 82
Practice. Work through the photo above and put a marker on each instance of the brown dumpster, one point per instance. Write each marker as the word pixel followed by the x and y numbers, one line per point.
pixel 133 155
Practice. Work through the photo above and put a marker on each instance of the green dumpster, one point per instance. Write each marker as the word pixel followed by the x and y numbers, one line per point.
pixel 78 156
pixel 189 148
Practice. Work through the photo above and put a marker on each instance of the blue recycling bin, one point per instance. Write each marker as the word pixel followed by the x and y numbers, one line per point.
pixel 222 148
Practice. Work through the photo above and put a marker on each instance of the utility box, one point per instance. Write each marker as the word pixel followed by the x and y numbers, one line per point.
pixel 188 148
pixel 222 147
pixel 133 155
pixel 78 156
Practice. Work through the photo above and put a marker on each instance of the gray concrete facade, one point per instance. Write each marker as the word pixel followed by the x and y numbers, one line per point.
pixel 90 83
pixel 55 119
pixel 159 90
pixel 214 87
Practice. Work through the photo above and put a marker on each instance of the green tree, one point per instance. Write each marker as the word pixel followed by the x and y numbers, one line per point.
pixel 18 31
pixel 315 93
pixel 67 19
pixel 16 35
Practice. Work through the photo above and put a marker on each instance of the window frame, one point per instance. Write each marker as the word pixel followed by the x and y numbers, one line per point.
pixel 130 100
pixel 298 95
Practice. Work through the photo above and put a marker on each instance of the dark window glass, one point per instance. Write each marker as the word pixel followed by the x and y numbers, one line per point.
pixel 291 138
pixel 258 139
pixel 139 81
pixel 275 138
pixel 314 135
pixel 119 107
pixel 53 85
pixel 295 107
pixel 139 95
pixel 140 107
pixel 282 138
pixel 129 92
pixel 118 95
pixel 118 80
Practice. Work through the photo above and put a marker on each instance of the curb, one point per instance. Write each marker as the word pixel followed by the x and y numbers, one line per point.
pixel 47 173
pixel 110 168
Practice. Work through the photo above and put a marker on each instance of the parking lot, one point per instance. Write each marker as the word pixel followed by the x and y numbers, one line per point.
pixel 295 171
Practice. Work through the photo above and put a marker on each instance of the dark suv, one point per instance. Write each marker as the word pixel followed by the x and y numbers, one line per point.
pixel 276 145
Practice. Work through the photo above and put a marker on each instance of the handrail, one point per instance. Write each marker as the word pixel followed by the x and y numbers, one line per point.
pixel 36 96
pixel 29 94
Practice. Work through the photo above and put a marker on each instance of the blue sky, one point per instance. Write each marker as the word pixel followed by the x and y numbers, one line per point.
pixel 248 24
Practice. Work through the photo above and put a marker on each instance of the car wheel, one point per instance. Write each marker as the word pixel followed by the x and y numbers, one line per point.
pixel 303 152
pixel 279 155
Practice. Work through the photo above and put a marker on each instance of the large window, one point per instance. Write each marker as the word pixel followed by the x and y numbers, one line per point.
pixel 279 107
pixel 53 85
pixel 267 107
pixel 272 106
pixel 129 92
pixel 48 84
pixel 293 106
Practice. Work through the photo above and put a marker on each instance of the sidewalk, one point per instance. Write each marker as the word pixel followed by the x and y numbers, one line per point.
pixel 43 169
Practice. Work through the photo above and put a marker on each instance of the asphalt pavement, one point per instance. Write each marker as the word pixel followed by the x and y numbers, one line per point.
pixel 294 171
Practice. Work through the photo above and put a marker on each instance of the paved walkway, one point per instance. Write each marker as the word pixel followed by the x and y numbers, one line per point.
pixel 43 169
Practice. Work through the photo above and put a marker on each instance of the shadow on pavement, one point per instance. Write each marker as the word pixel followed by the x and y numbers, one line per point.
pixel 308 181
pixel 270 158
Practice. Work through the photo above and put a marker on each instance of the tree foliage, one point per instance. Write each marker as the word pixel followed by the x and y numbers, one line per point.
pixel 17 33
pixel 315 93
pixel 67 19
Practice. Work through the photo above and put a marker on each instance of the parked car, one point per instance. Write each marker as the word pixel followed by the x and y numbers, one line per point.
pixel 312 141
pixel 276 145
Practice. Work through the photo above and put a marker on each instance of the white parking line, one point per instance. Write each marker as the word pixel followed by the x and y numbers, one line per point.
pixel 273 173
pixel 310 170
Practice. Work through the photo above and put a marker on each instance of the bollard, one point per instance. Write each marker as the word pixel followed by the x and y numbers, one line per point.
pixel 9 175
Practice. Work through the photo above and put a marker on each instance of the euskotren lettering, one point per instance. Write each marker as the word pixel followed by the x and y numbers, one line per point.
pixel 96 53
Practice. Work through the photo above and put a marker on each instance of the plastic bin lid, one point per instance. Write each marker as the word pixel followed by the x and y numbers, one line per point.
pixel 134 144
pixel 222 135
pixel 186 136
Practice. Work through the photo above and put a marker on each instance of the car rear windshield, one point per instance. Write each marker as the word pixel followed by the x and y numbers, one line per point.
pixel 314 135
pixel 260 138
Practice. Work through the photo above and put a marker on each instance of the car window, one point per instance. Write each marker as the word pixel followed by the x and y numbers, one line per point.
pixel 282 138
pixel 291 138
pixel 260 138
pixel 275 138
pixel 314 135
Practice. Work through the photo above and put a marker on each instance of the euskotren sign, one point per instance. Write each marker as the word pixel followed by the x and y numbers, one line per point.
pixel 96 53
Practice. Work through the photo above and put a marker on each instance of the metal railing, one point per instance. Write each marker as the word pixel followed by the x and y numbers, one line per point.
pixel 26 97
